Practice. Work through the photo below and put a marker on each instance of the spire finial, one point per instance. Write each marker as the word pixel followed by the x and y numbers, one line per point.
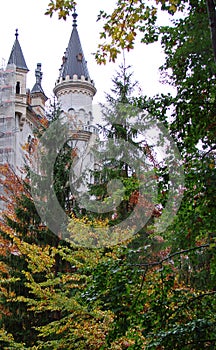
pixel 38 74
pixel 74 18
pixel 16 33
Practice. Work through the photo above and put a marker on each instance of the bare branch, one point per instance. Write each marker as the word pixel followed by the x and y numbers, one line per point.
pixel 170 256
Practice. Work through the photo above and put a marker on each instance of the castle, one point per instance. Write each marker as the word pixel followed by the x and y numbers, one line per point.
pixel 22 110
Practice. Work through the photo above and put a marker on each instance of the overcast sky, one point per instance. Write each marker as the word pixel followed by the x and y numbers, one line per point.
pixel 44 40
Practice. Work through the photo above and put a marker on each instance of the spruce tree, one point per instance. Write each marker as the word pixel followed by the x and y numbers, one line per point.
pixel 119 161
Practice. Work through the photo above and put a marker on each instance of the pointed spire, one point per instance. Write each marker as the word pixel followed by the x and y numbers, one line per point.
pixel 16 34
pixel 73 62
pixel 38 75
pixel 74 15
pixel 16 56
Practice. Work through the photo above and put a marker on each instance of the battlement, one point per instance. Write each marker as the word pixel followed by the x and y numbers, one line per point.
pixel 74 85
pixel 75 78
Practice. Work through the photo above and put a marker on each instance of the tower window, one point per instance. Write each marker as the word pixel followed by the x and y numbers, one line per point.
pixel 71 111
pixel 18 87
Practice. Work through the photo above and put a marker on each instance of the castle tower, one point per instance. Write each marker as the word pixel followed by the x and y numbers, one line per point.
pixel 75 90
pixel 17 59
pixel 18 118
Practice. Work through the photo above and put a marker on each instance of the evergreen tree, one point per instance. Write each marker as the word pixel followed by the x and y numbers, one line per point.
pixel 122 156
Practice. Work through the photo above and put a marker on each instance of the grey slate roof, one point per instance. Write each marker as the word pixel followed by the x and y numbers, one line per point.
pixel 74 61
pixel 16 56
pixel 37 88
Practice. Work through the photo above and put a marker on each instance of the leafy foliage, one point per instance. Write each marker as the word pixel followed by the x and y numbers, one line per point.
pixel 62 7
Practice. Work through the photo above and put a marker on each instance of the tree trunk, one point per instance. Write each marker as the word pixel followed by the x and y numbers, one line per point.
pixel 212 22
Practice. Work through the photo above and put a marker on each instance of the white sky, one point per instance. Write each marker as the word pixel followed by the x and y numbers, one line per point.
pixel 44 40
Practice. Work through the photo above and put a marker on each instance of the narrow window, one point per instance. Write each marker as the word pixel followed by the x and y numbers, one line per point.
pixel 18 87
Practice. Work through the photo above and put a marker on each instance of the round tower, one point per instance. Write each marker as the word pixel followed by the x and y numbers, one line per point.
pixel 75 90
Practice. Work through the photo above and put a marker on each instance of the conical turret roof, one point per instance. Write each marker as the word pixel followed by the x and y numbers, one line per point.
pixel 16 56
pixel 74 61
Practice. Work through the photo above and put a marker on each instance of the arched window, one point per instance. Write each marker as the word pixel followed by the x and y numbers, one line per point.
pixel 91 116
pixel 18 87
pixel 82 115
pixel 71 111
